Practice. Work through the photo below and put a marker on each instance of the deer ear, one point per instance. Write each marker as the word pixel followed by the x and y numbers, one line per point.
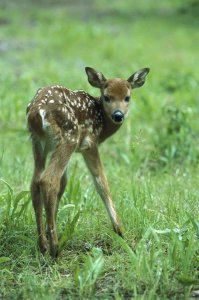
pixel 95 78
pixel 138 78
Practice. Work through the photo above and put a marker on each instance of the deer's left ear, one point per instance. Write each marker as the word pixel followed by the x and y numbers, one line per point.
pixel 138 78
pixel 95 78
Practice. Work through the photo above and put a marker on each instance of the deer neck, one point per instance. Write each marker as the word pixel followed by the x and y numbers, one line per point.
pixel 109 128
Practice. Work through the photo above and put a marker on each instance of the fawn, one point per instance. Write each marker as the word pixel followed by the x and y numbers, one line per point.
pixel 61 122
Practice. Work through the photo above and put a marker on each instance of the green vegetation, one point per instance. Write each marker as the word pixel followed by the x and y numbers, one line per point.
pixel 151 163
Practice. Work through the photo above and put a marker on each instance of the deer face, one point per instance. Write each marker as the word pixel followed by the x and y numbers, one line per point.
pixel 115 97
pixel 116 93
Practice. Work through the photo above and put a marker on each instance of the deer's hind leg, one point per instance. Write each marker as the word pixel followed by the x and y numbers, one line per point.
pixel 63 183
pixel 53 183
pixel 37 201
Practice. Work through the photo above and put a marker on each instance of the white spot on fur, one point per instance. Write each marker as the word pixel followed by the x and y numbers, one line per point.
pixel 86 143
pixel 44 121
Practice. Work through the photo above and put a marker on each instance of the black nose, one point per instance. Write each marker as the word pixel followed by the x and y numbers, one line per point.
pixel 118 116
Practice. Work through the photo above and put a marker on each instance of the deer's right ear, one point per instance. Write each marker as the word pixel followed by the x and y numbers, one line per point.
pixel 95 78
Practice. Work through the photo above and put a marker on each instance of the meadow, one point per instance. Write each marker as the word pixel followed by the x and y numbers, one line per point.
pixel 151 163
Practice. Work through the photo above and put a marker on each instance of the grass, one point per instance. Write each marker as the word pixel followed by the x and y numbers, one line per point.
pixel 151 164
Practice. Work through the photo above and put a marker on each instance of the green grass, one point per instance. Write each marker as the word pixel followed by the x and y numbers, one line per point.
pixel 151 163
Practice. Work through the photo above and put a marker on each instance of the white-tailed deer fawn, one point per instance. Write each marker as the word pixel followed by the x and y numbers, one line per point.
pixel 61 122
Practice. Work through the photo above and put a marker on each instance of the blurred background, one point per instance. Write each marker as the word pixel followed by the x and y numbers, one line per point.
pixel 151 163
pixel 46 42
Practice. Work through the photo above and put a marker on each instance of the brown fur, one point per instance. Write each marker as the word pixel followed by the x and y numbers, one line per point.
pixel 62 122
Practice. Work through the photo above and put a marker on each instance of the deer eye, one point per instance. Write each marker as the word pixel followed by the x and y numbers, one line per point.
pixel 127 99
pixel 107 99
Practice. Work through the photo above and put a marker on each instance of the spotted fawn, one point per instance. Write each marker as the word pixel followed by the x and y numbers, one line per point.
pixel 62 121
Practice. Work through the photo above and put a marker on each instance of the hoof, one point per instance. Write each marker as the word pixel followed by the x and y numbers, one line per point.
pixel 43 245
pixel 119 231
pixel 54 251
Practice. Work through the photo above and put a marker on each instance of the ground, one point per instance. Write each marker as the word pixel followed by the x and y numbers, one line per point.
pixel 151 163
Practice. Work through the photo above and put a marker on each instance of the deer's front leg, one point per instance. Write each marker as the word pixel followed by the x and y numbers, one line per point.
pixel 95 166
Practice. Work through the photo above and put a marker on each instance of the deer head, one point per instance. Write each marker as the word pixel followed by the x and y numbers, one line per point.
pixel 116 93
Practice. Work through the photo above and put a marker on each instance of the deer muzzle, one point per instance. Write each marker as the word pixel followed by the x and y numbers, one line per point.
pixel 117 116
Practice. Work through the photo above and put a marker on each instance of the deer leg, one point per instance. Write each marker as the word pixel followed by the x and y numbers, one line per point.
pixel 63 183
pixel 95 166
pixel 52 187
pixel 37 201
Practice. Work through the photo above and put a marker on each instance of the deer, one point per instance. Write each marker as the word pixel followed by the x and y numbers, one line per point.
pixel 63 121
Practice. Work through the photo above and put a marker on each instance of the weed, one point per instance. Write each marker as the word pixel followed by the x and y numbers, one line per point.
pixel 174 142
pixel 87 275
pixel 151 163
